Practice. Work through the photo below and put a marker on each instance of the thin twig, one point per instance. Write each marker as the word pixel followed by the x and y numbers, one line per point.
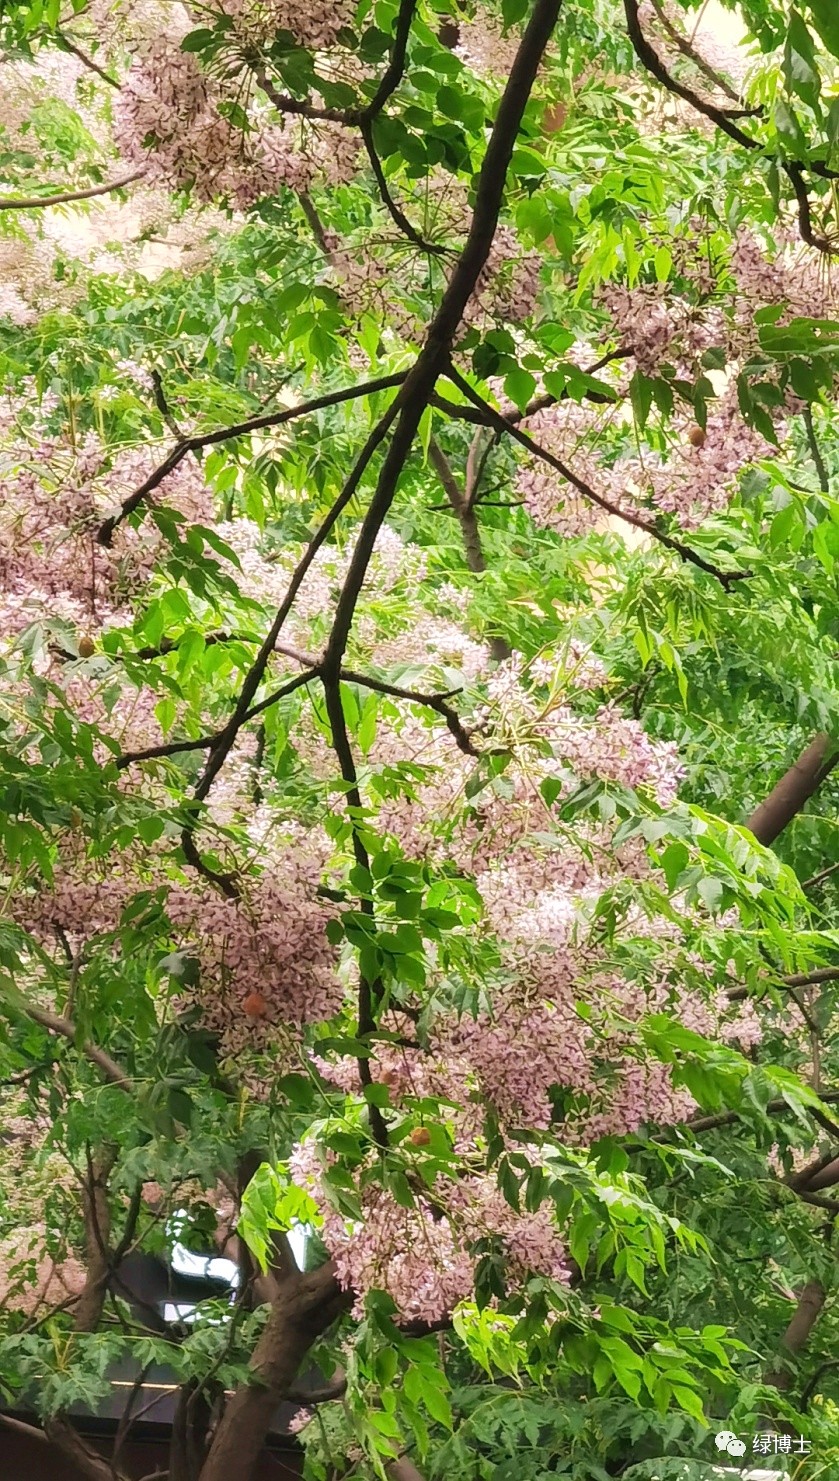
pixel 92 66
pixel 818 460
pixel 809 884
pixel 725 578
pixel 688 50
pixel 394 210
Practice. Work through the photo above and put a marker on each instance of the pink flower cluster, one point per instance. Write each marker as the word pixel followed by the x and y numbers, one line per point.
pixel 52 500
pixel 508 284
pixel 265 961
pixel 421 1256
pixel 697 481
pixel 169 118
pixel 315 25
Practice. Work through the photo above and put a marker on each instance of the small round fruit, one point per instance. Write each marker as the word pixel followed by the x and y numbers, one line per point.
pixel 696 437
pixel 87 647
pixel 420 1136
pixel 255 1005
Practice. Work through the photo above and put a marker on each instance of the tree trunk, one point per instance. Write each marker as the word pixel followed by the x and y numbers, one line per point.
pixel 796 787
pixel 306 1306
pixel 89 1463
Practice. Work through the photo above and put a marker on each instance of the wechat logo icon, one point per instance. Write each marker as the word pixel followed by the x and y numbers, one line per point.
pixel 728 1441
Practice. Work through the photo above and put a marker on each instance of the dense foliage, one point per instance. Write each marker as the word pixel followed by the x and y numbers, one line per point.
pixel 418 577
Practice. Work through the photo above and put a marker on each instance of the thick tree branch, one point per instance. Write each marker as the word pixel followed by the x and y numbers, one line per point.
pixel 647 54
pixel 435 355
pixel 686 47
pixel 224 740
pixel 804 1318
pixel 403 1469
pixel 395 70
pixel 20 1427
pixel 722 117
pixel 368 990
pixel 805 1176
pixel 253 679
pixel 27 203
pixel 800 979
pixel 412 400
pixel 305 1307
pixel 97 1223
pixel 166 748
pixel 794 789
pixel 112 1072
pixel 61 1433
pixel 388 84
pixel 238 429
pixel 206 742
pixel 301 107
pixel 825 1176
pixel 812 979
pixel 773 1108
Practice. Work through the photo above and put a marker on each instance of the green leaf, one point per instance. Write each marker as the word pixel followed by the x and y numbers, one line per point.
pixel 519 385
pixel 800 66
pixel 789 128
pixel 641 395
pixel 198 40
pixel 826 21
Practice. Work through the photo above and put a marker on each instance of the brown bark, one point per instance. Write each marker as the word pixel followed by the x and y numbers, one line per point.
pixel 89 1463
pixel 309 1303
pixel 97 1221
pixel 63 1026
pixel 305 1308
pixel 26 203
pixel 805 1177
pixel 804 1318
pixel 794 789
pixel 826 1177
pixel 59 1430
pixel 468 522
pixel 404 1470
